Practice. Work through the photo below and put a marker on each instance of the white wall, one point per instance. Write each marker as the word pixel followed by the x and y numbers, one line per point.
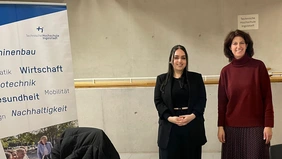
pixel 129 117
pixel 133 38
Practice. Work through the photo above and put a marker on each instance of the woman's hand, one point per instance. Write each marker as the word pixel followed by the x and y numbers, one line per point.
pixel 221 134
pixel 181 120
pixel 267 134
pixel 175 120
pixel 187 118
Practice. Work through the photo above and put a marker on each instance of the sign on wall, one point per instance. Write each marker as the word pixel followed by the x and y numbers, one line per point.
pixel 248 22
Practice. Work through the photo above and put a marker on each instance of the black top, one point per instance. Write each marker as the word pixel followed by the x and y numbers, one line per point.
pixel 197 104
pixel 179 93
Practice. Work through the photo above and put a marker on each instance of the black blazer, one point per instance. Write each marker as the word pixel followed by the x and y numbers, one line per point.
pixel 197 104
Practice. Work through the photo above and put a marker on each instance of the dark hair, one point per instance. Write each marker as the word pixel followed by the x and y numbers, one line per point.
pixel 228 41
pixel 8 155
pixel 170 71
pixel 13 152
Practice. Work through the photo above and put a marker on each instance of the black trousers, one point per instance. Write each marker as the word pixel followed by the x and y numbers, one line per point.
pixel 179 146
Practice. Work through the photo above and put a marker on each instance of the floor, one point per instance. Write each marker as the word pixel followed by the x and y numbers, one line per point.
pixel 155 156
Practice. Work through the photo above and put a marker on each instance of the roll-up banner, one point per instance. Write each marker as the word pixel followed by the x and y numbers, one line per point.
pixel 36 73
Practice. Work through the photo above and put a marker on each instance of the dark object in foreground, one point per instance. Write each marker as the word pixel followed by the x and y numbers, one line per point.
pixel 84 143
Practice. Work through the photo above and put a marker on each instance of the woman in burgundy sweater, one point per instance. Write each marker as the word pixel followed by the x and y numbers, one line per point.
pixel 245 110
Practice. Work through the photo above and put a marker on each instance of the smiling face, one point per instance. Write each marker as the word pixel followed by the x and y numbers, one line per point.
pixel 238 47
pixel 179 60
pixel 44 140
pixel 20 153
pixel 14 155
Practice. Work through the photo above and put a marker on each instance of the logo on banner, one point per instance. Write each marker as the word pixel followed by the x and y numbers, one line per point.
pixel 44 36
pixel 40 29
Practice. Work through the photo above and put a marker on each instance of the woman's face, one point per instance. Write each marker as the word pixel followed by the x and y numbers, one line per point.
pixel 238 47
pixel 14 155
pixel 44 140
pixel 179 60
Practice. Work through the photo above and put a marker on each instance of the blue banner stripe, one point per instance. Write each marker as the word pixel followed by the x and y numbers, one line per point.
pixel 16 12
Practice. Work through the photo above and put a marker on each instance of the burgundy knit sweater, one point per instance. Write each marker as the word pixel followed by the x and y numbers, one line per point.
pixel 244 95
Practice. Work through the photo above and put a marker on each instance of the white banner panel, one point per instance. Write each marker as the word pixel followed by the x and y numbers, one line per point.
pixel 36 75
pixel 2 154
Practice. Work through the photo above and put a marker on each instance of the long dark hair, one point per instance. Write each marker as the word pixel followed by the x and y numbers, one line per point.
pixel 170 71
